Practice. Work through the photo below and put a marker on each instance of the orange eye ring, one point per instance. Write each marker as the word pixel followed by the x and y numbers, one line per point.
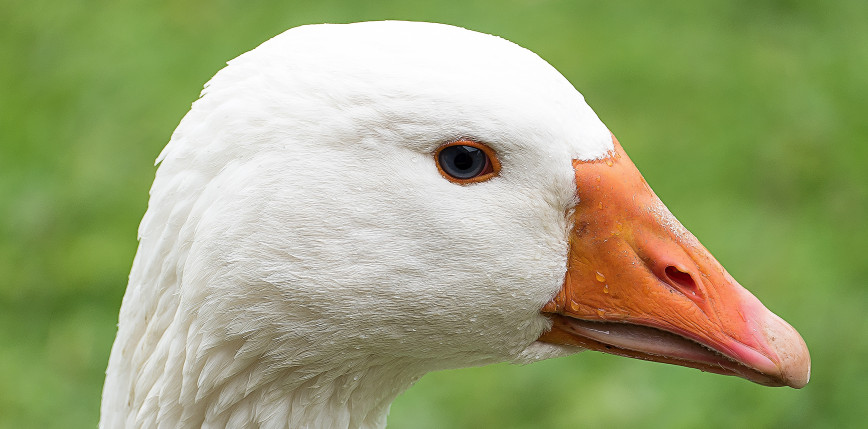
pixel 466 161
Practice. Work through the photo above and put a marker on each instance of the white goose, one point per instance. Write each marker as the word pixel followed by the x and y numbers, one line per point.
pixel 349 207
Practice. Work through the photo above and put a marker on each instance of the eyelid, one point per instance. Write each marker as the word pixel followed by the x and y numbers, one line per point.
pixel 489 153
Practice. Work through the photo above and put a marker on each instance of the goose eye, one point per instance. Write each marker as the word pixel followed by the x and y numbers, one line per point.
pixel 466 162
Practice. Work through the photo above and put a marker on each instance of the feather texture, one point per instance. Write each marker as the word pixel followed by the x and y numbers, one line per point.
pixel 302 261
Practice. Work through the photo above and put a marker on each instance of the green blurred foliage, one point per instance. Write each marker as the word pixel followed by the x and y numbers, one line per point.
pixel 748 117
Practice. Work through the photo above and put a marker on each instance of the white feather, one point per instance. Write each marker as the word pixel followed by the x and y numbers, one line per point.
pixel 302 261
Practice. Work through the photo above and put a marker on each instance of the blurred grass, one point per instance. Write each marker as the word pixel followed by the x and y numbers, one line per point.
pixel 747 117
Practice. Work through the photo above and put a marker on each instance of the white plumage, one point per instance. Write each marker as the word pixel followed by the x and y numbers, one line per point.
pixel 302 261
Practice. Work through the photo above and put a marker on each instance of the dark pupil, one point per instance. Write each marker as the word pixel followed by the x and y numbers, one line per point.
pixel 462 162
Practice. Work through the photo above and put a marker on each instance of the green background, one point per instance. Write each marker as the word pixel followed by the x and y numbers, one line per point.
pixel 747 117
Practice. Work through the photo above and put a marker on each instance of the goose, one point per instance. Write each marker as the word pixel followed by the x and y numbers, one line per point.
pixel 348 207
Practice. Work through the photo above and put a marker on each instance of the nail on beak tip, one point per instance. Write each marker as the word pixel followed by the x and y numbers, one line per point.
pixel 794 360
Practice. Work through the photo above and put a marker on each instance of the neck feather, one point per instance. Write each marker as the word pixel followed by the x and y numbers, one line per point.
pixel 164 371
pixel 172 366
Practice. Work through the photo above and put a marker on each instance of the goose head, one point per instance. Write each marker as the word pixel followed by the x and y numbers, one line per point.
pixel 349 207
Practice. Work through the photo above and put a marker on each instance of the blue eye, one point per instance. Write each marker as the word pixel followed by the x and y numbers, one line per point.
pixel 466 162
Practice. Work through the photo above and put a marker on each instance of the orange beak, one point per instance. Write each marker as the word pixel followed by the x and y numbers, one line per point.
pixel 638 284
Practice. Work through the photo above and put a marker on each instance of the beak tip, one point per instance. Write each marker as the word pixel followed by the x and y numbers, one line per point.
pixel 796 367
pixel 794 360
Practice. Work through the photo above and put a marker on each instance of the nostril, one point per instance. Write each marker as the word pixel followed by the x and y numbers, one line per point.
pixel 681 279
